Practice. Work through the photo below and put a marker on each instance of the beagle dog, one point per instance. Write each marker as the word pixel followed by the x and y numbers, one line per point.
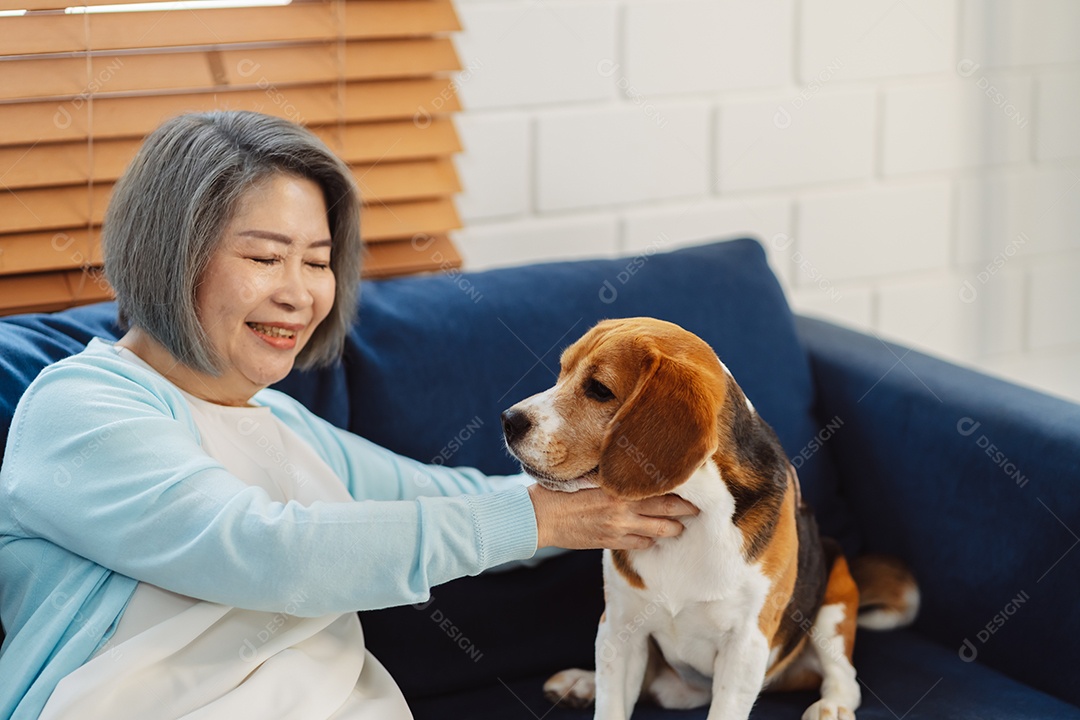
pixel 748 596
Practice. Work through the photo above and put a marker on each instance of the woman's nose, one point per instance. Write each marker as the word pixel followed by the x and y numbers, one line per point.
pixel 292 289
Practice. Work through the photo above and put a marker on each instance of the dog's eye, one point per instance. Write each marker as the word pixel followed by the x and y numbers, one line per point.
pixel 598 391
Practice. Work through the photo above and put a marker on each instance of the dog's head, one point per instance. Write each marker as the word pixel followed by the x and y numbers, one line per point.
pixel 634 411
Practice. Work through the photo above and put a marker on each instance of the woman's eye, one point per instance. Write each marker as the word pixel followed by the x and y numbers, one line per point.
pixel 264 261
pixel 598 391
pixel 319 266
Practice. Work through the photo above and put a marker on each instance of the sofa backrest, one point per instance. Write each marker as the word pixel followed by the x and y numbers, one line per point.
pixel 434 360
pixel 28 343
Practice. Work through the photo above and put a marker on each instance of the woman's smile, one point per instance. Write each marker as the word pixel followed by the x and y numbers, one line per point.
pixel 277 335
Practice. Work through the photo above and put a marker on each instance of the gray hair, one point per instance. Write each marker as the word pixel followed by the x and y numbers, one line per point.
pixel 170 209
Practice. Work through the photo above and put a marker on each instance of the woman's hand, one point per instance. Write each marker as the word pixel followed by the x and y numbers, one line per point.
pixel 594 519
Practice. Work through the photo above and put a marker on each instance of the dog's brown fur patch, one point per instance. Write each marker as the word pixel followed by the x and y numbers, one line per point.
pixel 779 561
pixel 621 560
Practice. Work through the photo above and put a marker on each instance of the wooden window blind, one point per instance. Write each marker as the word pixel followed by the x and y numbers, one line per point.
pixel 80 89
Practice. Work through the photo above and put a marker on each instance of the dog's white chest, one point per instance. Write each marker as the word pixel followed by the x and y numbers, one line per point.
pixel 691 642
pixel 699 591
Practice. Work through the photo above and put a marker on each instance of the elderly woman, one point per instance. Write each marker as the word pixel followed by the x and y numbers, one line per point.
pixel 158 557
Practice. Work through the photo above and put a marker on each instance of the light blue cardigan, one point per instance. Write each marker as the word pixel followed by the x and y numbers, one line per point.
pixel 104 484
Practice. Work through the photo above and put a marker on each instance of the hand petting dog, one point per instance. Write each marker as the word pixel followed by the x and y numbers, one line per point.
pixel 596 519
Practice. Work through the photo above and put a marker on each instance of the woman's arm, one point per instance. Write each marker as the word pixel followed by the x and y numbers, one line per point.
pixel 370 471
pixel 106 464
pixel 585 519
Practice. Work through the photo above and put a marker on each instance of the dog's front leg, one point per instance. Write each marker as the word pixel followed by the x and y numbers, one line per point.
pixel 622 655
pixel 738 674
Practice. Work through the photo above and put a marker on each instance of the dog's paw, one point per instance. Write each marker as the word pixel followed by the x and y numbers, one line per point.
pixel 573 688
pixel 827 710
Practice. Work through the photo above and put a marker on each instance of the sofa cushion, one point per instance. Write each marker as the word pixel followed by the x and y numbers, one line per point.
pixel 901 675
pixel 28 343
pixel 506 625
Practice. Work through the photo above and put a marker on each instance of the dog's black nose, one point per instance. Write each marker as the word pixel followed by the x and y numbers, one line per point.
pixel 515 424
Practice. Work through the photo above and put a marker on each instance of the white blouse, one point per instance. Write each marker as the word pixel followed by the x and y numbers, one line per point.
pixel 173 656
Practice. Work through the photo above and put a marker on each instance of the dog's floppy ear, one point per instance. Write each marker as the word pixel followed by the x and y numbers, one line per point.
pixel 662 433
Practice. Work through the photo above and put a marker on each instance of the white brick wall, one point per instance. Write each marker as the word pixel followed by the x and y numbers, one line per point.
pixel 1057 111
pixel 527 54
pixel 913 169
pixel 721 45
pixel 786 140
pixel 593 157
pixel 1008 33
pixel 877 38
pixel 494 165
pixel 877 232
pixel 957 123
pixel 1053 286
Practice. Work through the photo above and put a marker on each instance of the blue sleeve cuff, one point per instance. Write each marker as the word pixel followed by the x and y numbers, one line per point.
pixel 505 526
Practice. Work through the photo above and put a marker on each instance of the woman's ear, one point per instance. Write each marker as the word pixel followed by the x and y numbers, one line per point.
pixel 662 433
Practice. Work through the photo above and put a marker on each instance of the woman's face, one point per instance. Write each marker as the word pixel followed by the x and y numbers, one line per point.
pixel 268 285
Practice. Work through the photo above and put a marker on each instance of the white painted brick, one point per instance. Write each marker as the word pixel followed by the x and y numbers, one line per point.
pixel 929 315
pixel 529 53
pixel 1051 372
pixel 1021 213
pixel 707 45
pixel 992 319
pixel 1056 116
pixel 1054 316
pixel 849 39
pixel 1003 33
pixel 504 244
pixel 605 156
pixel 843 235
pixel 970 121
pixel 494 165
pixel 671 227
pixel 795 140
pixel 988 212
pixel 850 306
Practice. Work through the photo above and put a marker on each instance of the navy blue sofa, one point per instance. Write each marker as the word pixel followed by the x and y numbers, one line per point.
pixel 973 481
